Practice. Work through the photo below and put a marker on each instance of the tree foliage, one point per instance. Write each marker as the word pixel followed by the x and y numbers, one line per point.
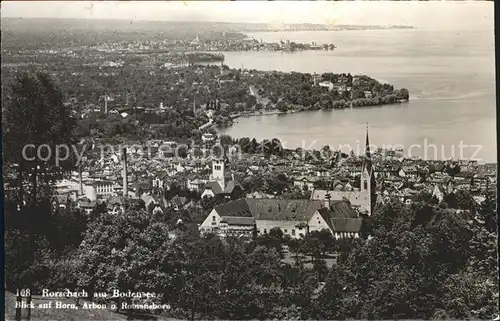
pixel 34 114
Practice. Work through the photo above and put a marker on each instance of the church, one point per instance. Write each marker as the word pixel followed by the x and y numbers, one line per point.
pixel 222 183
pixel 362 199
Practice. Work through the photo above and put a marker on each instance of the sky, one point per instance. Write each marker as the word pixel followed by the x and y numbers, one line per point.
pixel 433 15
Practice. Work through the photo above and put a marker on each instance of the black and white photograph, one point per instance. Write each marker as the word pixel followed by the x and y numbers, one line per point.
pixel 249 160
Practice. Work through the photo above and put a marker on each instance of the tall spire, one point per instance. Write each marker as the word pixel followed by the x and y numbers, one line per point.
pixel 106 103
pixel 367 161
pixel 125 178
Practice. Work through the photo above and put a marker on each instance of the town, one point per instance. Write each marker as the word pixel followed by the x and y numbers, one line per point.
pixel 181 176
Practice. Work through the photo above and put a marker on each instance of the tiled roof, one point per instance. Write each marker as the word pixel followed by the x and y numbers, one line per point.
pixel 340 217
pixel 310 178
pixel 238 207
pixel 354 197
pixel 270 209
pixel 352 225
pixel 238 220
pixel 342 209
pixel 231 185
pixel 287 210
pixel 214 186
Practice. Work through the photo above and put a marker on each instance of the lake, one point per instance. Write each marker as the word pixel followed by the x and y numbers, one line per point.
pixel 450 76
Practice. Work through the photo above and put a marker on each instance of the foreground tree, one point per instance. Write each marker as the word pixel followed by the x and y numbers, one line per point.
pixel 122 253
pixel 422 262
pixel 34 114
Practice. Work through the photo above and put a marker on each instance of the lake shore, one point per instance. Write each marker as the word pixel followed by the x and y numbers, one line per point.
pixel 295 111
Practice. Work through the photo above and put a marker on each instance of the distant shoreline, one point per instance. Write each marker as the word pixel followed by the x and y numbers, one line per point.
pixel 337 28
pixel 242 26
pixel 278 112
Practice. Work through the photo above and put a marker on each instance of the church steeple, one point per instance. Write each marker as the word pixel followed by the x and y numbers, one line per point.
pixel 219 171
pixel 367 161
pixel 368 185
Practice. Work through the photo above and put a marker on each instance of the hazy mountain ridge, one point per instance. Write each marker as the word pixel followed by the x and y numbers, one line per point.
pixel 53 24
pixel 47 33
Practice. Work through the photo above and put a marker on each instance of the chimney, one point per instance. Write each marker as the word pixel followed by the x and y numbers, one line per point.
pixel 125 181
pixel 328 197
pixel 80 178
pixel 138 190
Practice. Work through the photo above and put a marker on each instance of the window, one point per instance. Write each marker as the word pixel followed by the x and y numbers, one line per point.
pixel 285 231
pixel 365 185
pixel 293 232
pixel 265 231
pixel 213 218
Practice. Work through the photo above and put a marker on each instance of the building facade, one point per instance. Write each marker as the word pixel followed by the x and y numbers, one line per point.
pixel 295 218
